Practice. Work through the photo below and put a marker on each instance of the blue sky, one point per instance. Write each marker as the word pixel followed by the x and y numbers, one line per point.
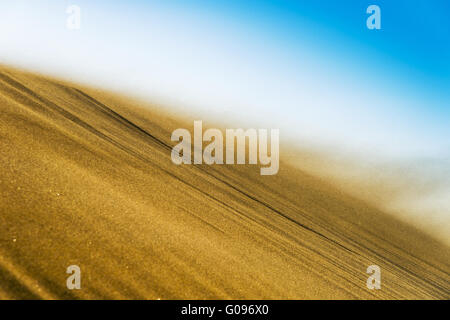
pixel 413 45
pixel 310 68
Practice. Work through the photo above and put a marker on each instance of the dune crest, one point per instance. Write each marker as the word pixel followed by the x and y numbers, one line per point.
pixel 87 179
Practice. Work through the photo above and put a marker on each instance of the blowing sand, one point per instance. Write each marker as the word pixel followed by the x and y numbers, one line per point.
pixel 86 179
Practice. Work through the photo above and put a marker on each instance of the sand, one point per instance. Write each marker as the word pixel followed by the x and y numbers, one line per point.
pixel 86 179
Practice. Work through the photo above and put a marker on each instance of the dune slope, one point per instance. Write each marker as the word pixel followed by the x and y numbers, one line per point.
pixel 86 179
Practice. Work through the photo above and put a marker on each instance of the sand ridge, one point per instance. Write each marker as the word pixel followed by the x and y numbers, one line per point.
pixel 86 178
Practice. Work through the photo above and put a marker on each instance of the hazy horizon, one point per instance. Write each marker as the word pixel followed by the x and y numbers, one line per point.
pixel 317 74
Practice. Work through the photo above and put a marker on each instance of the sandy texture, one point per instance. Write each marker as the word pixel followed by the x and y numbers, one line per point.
pixel 86 178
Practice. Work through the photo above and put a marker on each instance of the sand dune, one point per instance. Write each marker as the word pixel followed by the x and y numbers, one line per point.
pixel 86 178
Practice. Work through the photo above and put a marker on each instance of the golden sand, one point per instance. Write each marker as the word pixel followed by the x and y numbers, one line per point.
pixel 86 179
